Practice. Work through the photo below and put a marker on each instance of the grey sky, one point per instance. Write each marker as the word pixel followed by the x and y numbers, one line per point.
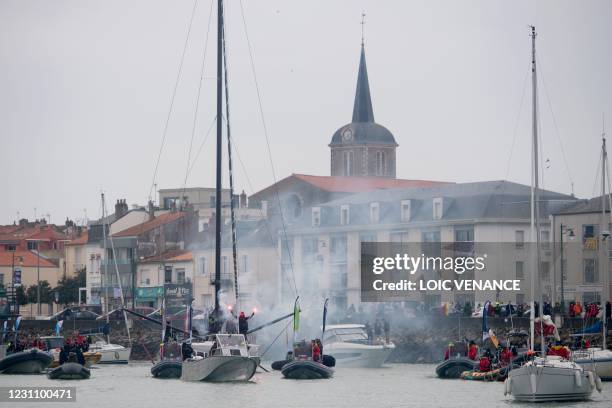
pixel 85 90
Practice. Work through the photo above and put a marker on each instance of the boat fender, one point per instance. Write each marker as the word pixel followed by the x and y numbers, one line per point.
pixel 578 378
pixel 533 380
pixel 598 383
pixel 591 378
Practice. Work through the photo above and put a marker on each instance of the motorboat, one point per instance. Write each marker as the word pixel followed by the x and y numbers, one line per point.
pixel 69 371
pixel 32 361
pixel 306 370
pixel 220 358
pixel 54 344
pixel 110 353
pixel 351 347
pixel 597 360
pixel 551 378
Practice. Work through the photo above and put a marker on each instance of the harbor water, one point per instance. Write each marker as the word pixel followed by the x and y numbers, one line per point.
pixel 396 385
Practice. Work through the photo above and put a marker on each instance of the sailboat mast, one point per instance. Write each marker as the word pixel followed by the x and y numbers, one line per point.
pixel 105 263
pixel 603 249
pixel 218 197
pixel 535 195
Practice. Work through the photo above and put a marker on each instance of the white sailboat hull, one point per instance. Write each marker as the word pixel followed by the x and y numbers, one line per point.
pixel 359 355
pixel 599 361
pixel 219 369
pixel 557 382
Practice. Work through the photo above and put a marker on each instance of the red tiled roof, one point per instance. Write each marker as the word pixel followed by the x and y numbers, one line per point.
pixel 24 258
pixel 80 240
pixel 38 232
pixel 170 256
pixel 139 229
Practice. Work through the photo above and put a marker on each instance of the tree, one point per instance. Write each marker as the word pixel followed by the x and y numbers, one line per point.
pixel 20 293
pixel 68 288
pixel 45 293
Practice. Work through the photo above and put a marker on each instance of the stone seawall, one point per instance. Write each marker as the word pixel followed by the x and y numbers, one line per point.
pixel 417 340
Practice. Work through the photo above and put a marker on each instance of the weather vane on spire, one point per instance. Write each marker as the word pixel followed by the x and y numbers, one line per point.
pixel 362 27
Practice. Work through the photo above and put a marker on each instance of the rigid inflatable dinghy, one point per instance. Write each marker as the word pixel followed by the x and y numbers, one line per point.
pixel 453 367
pixel 31 361
pixel 306 370
pixel 69 371
pixel 167 369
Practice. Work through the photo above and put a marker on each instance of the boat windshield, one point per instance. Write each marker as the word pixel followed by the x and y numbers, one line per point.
pixel 231 340
pixel 352 334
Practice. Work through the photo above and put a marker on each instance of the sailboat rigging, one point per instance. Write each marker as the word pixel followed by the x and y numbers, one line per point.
pixel 545 378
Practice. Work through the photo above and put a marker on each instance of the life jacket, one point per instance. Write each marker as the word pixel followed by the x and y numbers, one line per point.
pixel 473 352
pixel 485 364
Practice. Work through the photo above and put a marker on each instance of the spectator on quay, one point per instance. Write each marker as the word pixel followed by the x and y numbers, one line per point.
pixel 387 329
pixel 368 329
pixel 377 328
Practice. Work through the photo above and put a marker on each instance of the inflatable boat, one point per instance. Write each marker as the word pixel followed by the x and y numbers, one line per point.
pixel 328 360
pixel 499 374
pixel 167 369
pixel 306 370
pixel 453 367
pixel 69 371
pixel 31 361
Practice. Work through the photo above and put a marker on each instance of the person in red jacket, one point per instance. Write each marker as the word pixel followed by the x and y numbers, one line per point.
pixel 485 364
pixel 473 351
pixel 506 356
pixel 316 351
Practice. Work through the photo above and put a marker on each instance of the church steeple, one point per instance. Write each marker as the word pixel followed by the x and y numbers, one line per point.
pixel 362 108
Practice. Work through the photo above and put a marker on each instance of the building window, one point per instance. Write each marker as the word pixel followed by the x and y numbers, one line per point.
pixel 545 239
pixel 347 163
pixel 337 248
pixel 381 163
pixel 545 271
pixel 590 271
pixel 520 269
pixel 344 215
pixel 405 210
pixel 438 208
pixel 316 216
pixel 203 266
pixel 213 201
pixel 245 264
pixel 519 238
pixel 144 276
pixel 168 274
pixel 589 237
pixel 374 212
pixel 180 276
pixel 32 245
pixel 1 280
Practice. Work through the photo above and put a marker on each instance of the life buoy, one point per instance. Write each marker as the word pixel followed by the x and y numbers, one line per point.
pixel 116 355
pixel 578 378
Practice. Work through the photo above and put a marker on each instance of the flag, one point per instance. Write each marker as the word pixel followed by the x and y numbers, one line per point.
pixel 163 317
pixel 296 315
pixel 16 327
pixel 485 329
pixel 324 316
pixel 58 327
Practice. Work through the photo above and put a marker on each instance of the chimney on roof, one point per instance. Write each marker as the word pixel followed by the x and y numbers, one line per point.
pixel 243 200
pixel 121 208
pixel 151 210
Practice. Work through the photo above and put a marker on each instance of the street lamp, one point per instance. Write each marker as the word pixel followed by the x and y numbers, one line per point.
pixel 564 229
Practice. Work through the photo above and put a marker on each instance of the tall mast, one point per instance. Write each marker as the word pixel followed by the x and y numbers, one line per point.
pixel 535 197
pixel 603 248
pixel 219 155
pixel 105 263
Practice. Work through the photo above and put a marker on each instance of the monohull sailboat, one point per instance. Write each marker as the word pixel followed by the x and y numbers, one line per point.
pixel 545 378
